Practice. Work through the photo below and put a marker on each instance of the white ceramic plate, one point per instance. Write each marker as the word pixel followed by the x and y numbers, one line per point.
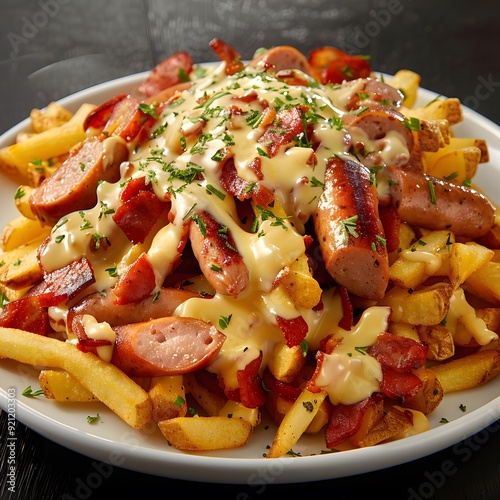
pixel 111 440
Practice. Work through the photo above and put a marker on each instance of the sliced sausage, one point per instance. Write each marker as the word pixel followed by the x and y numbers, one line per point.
pixel 425 201
pixel 282 58
pixel 377 121
pixel 349 231
pixel 73 186
pixel 166 346
pixel 217 255
pixel 102 306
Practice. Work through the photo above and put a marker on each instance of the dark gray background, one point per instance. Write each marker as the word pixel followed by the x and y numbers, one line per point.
pixel 51 48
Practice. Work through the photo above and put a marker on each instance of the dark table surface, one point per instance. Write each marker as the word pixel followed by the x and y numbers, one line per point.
pixel 52 48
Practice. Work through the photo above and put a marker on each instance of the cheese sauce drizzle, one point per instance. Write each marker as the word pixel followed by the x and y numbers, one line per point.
pixel 181 163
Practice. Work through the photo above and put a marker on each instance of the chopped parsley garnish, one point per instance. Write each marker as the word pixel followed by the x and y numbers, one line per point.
pixel 224 321
pixel 349 227
pixel 92 419
pixel 28 392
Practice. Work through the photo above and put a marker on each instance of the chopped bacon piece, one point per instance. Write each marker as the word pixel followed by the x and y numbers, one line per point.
pixel 345 420
pixel 294 330
pixel 99 116
pixel 63 284
pixel 171 71
pixel 140 210
pixel 242 189
pixel 391 222
pixel 347 320
pixel 26 313
pixel 249 391
pixel 227 54
pixel 288 124
pixel 137 283
pixel 85 343
pixel 399 386
pixel 287 391
pixel 399 353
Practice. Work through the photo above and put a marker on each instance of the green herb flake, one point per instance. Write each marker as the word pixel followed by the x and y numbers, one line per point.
pixel 92 419
pixel 28 392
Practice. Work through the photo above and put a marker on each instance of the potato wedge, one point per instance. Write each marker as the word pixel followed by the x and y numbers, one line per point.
pixel 206 433
pixel 407 82
pixel 394 422
pixel 286 362
pixel 108 384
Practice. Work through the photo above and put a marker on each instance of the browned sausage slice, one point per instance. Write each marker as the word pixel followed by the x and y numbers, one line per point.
pixel 73 186
pixel 166 346
pixel 217 255
pixel 425 201
pixel 282 58
pixel 103 306
pixel 349 231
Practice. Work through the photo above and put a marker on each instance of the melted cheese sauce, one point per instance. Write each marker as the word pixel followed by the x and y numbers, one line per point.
pixel 181 164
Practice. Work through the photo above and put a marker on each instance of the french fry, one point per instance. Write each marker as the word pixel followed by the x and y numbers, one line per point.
pixel 407 82
pixel 15 159
pixel 108 384
pixel 465 259
pixel 455 166
pixel 234 409
pixel 211 401
pixel 62 387
pixel 372 416
pixel 54 115
pixel 286 362
pixel 469 371
pixel 206 433
pixel 485 283
pixel 394 422
pixel 168 397
pixel 425 306
pixel 20 231
pixel 429 396
pixel 439 340
pixel 449 109
pixel 295 422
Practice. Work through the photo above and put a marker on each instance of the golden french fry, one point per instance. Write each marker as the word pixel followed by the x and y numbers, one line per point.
pixel 295 422
pixel 425 306
pixel 53 142
pixel 485 283
pixel 54 115
pixel 455 166
pixel 206 433
pixel 440 341
pixel 108 384
pixel 429 396
pixel 449 109
pixel 168 397
pixel 393 423
pixel 466 258
pixel 235 409
pixel 372 416
pixel 20 231
pixel 407 82
pixel 212 402
pixel 62 387
pixel 286 362
pixel 469 371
